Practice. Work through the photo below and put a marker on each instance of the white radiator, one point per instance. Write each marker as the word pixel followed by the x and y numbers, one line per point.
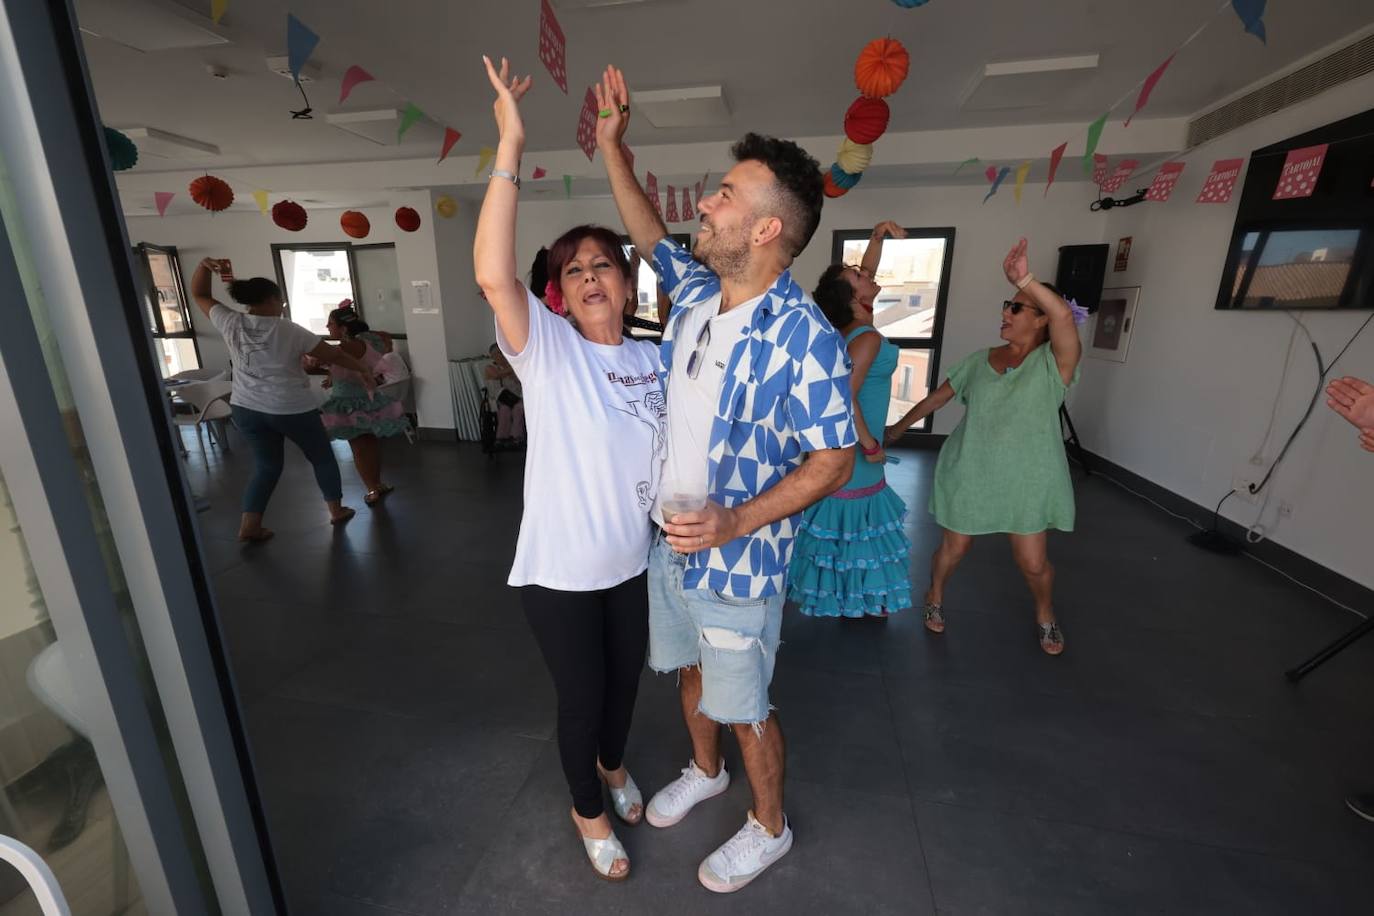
pixel 468 387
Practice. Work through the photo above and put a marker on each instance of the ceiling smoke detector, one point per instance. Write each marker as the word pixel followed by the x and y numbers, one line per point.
pixel 310 71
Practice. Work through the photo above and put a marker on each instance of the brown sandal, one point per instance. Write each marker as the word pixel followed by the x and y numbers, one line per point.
pixel 1051 637
pixel 934 615
pixel 375 496
pixel 343 517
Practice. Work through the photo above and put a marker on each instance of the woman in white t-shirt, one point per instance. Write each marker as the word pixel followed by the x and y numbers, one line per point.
pixel 594 412
pixel 272 400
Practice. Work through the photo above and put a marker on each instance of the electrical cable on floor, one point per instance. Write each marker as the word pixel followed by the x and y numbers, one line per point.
pixel 1183 518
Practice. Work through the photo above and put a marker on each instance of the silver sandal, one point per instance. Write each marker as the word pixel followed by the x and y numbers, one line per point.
pixel 624 798
pixel 934 615
pixel 1051 637
pixel 603 854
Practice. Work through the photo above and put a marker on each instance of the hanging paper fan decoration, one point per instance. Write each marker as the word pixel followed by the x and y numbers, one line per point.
pixel 832 189
pixel 843 179
pixel 446 206
pixel 854 157
pixel 123 153
pixel 214 194
pixel 909 4
pixel 866 120
pixel 354 224
pixel 881 68
pixel 407 219
pixel 289 215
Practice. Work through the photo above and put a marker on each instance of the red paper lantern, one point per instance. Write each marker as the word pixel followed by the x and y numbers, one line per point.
pixel 866 120
pixel 832 189
pixel 881 67
pixel 355 225
pixel 214 194
pixel 407 219
pixel 289 215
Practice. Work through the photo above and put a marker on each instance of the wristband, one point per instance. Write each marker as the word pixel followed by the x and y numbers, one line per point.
pixel 1025 281
pixel 509 176
pixel 871 451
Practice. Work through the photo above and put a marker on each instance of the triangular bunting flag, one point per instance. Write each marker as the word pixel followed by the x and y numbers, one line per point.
pixel 688 214
pixel 1055 157
pixel 451 137
pixel 300 44
pixel 567 186
pixel 1094 137
pixel 352 77
pixel 484 157
pixel 997 182
pixel 971 160
pixel 1144 98
pixel 1021 172
pixel 217 10
pixel 538 173
pixel 162 199
pixel 260 197
pixel 408 119
pixel 1251 13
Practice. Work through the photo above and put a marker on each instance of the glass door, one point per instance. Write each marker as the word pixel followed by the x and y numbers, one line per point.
pixel 169 317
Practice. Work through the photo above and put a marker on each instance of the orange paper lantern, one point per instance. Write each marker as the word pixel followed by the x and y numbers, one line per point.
pixel 355 225
pixel 866 120
pixel 214 194
pixel 832 189
pixel 407 219
pixel 882 67
pixel 289 215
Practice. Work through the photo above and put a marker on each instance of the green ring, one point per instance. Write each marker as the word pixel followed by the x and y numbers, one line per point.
pixel 604 113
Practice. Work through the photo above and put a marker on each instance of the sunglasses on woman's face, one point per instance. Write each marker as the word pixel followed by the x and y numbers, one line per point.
pixel 1010 305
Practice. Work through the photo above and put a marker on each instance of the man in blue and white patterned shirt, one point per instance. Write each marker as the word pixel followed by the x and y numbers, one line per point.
pixel 759 427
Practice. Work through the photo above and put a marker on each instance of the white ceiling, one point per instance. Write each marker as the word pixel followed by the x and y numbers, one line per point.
pixel 787 67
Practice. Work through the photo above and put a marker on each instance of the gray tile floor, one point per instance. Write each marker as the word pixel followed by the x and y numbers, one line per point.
pixel 401 723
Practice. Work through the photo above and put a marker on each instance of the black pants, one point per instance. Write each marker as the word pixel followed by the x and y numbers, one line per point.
pixel 594 644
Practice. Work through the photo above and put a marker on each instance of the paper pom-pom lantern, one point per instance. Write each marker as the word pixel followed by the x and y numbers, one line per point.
pixel 214 194
pixel 881 67
pixel 843 179
pixel 407 219
pixel 289 215
pixel 832 189
pixel 854 157
pixel 866 120
pixel 354 224
pixel 446 206
pixel 123 153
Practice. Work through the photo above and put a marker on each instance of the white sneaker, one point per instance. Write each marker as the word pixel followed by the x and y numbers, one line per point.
pixel 744 856
pixel 671 803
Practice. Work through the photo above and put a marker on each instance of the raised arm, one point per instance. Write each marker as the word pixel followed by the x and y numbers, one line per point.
pixel 1064 339
pixel 874 252
pixel 642 222
pixel 328 353
pixel 200 285
pixel 924 408
pixel 493 251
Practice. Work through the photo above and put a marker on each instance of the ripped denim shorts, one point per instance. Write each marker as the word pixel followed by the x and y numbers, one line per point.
pixel 734 640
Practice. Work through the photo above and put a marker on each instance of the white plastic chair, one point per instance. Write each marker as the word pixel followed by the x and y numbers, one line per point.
pixel 210 401
pixel 37 873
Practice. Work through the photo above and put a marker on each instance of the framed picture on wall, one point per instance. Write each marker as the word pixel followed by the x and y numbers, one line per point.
pixel 1109 336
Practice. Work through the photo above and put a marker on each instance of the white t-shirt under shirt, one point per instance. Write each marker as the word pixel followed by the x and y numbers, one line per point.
pixel 267 352
pixel 693 401
pixel 594 413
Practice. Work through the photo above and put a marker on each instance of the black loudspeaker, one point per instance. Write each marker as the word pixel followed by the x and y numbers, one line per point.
pixel 1081 272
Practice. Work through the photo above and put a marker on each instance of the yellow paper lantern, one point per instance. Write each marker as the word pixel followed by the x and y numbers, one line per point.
pixel 446 206
pixel 853 157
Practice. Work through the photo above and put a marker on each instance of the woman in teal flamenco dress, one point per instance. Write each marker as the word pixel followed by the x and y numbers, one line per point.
pixel 851 556
pixel 1003 469
pixel 349 413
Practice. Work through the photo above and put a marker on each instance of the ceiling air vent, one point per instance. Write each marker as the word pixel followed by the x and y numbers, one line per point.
pixel 1350 62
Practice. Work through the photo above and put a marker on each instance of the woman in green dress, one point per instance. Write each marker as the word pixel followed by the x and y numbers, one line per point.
pixel 1003 469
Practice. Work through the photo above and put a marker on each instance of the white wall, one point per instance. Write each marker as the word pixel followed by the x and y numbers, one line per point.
pixel 983 234
pixel 246 239
pixel 1190 407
